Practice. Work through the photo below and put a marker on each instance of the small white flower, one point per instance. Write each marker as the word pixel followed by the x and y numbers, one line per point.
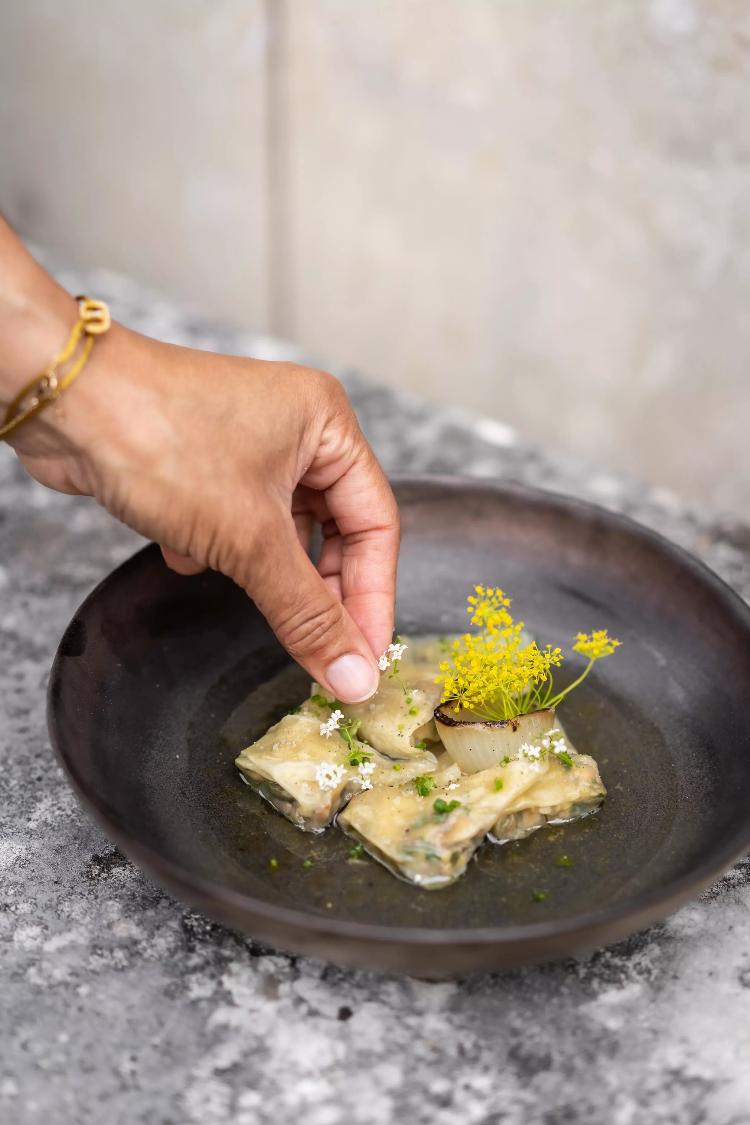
pixel 393 653
pixel 329 775
pixel 363 774
pixel 453 785
pixel 561 748
pixel 330 725
pixel 529 750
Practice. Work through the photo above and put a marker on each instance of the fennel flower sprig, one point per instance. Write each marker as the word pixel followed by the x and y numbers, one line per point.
pixel 495 675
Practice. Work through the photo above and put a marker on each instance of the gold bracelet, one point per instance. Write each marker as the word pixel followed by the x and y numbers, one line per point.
pixel 93 320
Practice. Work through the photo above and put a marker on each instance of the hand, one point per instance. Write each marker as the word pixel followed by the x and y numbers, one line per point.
pixel 228 463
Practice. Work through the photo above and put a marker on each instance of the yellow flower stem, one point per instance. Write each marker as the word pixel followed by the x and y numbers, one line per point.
pixel 561 694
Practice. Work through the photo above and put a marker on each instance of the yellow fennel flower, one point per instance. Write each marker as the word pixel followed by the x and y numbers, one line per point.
pixel 595 645
pixel 493 674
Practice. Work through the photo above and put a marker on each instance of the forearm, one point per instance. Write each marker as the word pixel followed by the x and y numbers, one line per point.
pixel 36 315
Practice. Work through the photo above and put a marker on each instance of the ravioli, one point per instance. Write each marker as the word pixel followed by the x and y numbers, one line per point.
pixel 400 715
pixel 308 777
pixel 561 795
pixel 396 721
pixel 430 840
pixel 431 848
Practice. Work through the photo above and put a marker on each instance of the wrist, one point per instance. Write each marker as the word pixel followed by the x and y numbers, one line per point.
pixel 66 439
pixel 31 337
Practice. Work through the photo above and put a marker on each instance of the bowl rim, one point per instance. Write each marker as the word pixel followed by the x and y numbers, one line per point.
pixel 204 893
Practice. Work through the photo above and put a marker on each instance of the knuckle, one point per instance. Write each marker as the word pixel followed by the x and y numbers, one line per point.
pixel 310 629
pixel 329 388
pixel 393 514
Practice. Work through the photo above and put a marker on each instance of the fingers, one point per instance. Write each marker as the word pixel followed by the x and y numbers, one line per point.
pixel 366 515
pixel 307 617
pixel 181 564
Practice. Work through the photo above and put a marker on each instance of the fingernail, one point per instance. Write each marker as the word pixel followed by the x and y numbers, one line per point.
pixel 352 678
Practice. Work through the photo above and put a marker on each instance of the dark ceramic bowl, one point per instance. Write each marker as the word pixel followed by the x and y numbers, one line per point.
pixel 146 712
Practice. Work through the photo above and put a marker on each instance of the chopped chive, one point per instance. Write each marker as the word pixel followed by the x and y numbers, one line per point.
pixel 309 863
pixel 538 896
pixel 563 861
pixel 398 766
pixel 499 783
pixel 273 863
pixel 356 851
pixel 442 807
pixel 423 785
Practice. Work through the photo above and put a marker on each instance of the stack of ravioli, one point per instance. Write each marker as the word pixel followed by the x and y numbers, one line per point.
pixel 394 788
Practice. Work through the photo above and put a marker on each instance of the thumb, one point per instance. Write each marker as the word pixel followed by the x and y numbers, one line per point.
pixel 309 620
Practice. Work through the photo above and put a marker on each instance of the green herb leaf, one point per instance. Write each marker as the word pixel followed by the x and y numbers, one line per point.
pixel 563 861
pixel 309 863
pixel 538 896
pixel 273 864
pixel 564 757
pixel 499 783
pixel 320 700
pixel 294 710
pixel 398 766
pixel 442 808
pixel 413 711
pixel 421 745
pixel 356 851
pixel 506 761
pixel 423 785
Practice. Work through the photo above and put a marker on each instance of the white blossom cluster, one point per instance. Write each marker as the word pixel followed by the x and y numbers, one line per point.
pixel 364 772
pixel 393 653
pixel 330 725
pixel 551 743
pixel 329 775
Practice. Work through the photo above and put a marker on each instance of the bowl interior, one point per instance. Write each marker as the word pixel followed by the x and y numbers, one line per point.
pixel 160 680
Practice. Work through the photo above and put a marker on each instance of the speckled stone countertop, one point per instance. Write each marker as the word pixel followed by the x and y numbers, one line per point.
pixel 120 1005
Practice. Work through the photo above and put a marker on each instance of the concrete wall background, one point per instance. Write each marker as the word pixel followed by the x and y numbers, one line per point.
pixel 540 210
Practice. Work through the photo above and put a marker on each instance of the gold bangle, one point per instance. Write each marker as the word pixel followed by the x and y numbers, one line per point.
pixel 93 320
